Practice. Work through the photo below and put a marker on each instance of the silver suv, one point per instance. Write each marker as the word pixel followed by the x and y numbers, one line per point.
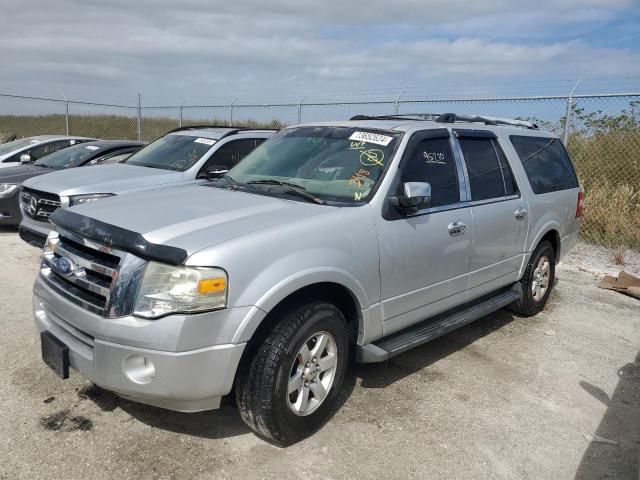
pixel 331 241
pixel 184 155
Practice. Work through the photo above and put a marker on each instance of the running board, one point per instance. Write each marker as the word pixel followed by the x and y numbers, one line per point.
pixel 435 327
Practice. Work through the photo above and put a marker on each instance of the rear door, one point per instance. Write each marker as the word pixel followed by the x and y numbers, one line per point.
pixel 500 213
pixel 424 257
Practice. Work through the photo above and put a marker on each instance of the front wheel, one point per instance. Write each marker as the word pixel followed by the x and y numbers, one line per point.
pixel 537 281
pixel 290 386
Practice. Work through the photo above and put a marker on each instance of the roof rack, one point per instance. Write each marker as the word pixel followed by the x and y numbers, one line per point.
pixel 451 118
pixel 454 117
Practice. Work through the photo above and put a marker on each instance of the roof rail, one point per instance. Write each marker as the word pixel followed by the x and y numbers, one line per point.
pixel 401 116
pixel 235 128
pixel 454 117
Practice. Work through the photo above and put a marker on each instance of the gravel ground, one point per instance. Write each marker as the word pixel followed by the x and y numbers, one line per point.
pixel 504 397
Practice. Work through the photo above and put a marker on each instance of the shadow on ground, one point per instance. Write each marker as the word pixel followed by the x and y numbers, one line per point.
pixel 382 375
pixel 621 424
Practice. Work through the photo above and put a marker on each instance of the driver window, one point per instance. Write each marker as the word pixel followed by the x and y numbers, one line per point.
pixel 432 160
pixel 230 154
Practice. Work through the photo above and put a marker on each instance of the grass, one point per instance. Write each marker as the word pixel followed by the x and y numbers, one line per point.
pixel 107 126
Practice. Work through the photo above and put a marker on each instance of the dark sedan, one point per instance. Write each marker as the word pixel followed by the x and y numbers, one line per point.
pixel 90 153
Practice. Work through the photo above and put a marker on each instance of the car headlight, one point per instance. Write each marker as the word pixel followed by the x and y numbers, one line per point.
pixel 80 199
pixel 7 188
pixel 168 289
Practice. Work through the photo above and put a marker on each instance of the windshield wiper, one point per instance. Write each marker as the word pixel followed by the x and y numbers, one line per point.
pixel 290 187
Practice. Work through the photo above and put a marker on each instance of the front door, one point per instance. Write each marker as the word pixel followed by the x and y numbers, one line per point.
pixel 424 257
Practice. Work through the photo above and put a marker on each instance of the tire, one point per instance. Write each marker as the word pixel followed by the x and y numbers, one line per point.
pixel 537 281
pixel 265 377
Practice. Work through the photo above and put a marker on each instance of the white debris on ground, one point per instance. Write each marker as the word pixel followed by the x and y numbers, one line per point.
pixel 600 260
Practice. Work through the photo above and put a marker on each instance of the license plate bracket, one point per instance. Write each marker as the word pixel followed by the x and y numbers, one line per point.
pixel 55 354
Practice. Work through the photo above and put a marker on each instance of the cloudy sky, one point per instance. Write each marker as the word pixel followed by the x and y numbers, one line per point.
pixel 202 49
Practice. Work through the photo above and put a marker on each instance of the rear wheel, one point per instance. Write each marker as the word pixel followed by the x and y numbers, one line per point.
pixel 537 281
pixel 289 387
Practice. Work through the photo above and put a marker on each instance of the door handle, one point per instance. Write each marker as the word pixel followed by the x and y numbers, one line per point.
pixel 456 228
pixel 521 213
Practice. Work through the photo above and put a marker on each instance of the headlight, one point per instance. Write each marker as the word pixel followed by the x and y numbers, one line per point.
pixel 167 289
pixel 80 199
pixel 7 188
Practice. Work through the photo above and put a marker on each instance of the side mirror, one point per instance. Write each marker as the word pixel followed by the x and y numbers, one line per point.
pixel 25 158
pixel 417 195
pixel 213 171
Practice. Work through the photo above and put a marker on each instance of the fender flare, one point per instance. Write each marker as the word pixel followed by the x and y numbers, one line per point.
pixel 292 284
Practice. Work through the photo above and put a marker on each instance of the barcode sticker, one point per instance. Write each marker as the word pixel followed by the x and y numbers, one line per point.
pixel 206 141
pixel 371 138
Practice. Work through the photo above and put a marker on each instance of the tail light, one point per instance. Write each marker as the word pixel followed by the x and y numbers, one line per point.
pixel 580 204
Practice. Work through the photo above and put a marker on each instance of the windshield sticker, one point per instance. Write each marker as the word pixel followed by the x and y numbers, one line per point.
pixel 91 147
pixel 369 137
pixel 72 142
pixel 434 157
pixel 372 157
pixel 357 196
pixel 206 141
pixel 357 146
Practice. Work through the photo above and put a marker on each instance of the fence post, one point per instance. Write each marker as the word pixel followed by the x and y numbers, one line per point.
pixel 139 119
pixel 300 108
pixel 66 113
pixel 396 109
pixel 231 111
pixel 567 117
pixel 180 109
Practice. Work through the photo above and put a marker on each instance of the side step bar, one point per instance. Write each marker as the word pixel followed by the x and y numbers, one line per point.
pixel 435 327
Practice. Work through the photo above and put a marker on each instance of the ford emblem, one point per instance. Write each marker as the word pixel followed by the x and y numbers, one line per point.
pixel 64 266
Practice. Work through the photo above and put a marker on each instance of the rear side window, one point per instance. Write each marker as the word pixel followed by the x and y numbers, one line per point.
pixel 489 172
pixel 432 161
pixel 546 163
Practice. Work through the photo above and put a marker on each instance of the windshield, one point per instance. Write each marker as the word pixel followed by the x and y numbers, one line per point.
pixel 333 163
pixel 172 152
pixel 17 145
pixel 68 157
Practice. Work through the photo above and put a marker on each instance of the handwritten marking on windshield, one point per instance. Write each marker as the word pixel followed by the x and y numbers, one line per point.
pixel 357 146
pixel 356 178
pixel 372 157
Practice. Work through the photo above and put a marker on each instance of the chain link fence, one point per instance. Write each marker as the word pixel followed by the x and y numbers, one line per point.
pixel 602 134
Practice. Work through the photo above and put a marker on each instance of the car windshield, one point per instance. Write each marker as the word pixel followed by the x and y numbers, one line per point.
pixel 17 145
pixel 333 163
pixel 68 157
pixel 172 152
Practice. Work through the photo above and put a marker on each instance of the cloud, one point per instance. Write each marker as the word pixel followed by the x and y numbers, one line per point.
pixel 203 49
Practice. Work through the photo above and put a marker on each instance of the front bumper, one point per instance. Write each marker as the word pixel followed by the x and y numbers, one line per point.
pixel 10 214
pixel 192 370
pixel 39 229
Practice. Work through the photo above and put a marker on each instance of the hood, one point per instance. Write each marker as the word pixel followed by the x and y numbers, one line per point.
pixel 21 173
pixel 193 217
pixel 102 179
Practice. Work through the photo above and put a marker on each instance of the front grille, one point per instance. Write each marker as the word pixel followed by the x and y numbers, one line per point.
pixel 38 205
pixel 96 277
